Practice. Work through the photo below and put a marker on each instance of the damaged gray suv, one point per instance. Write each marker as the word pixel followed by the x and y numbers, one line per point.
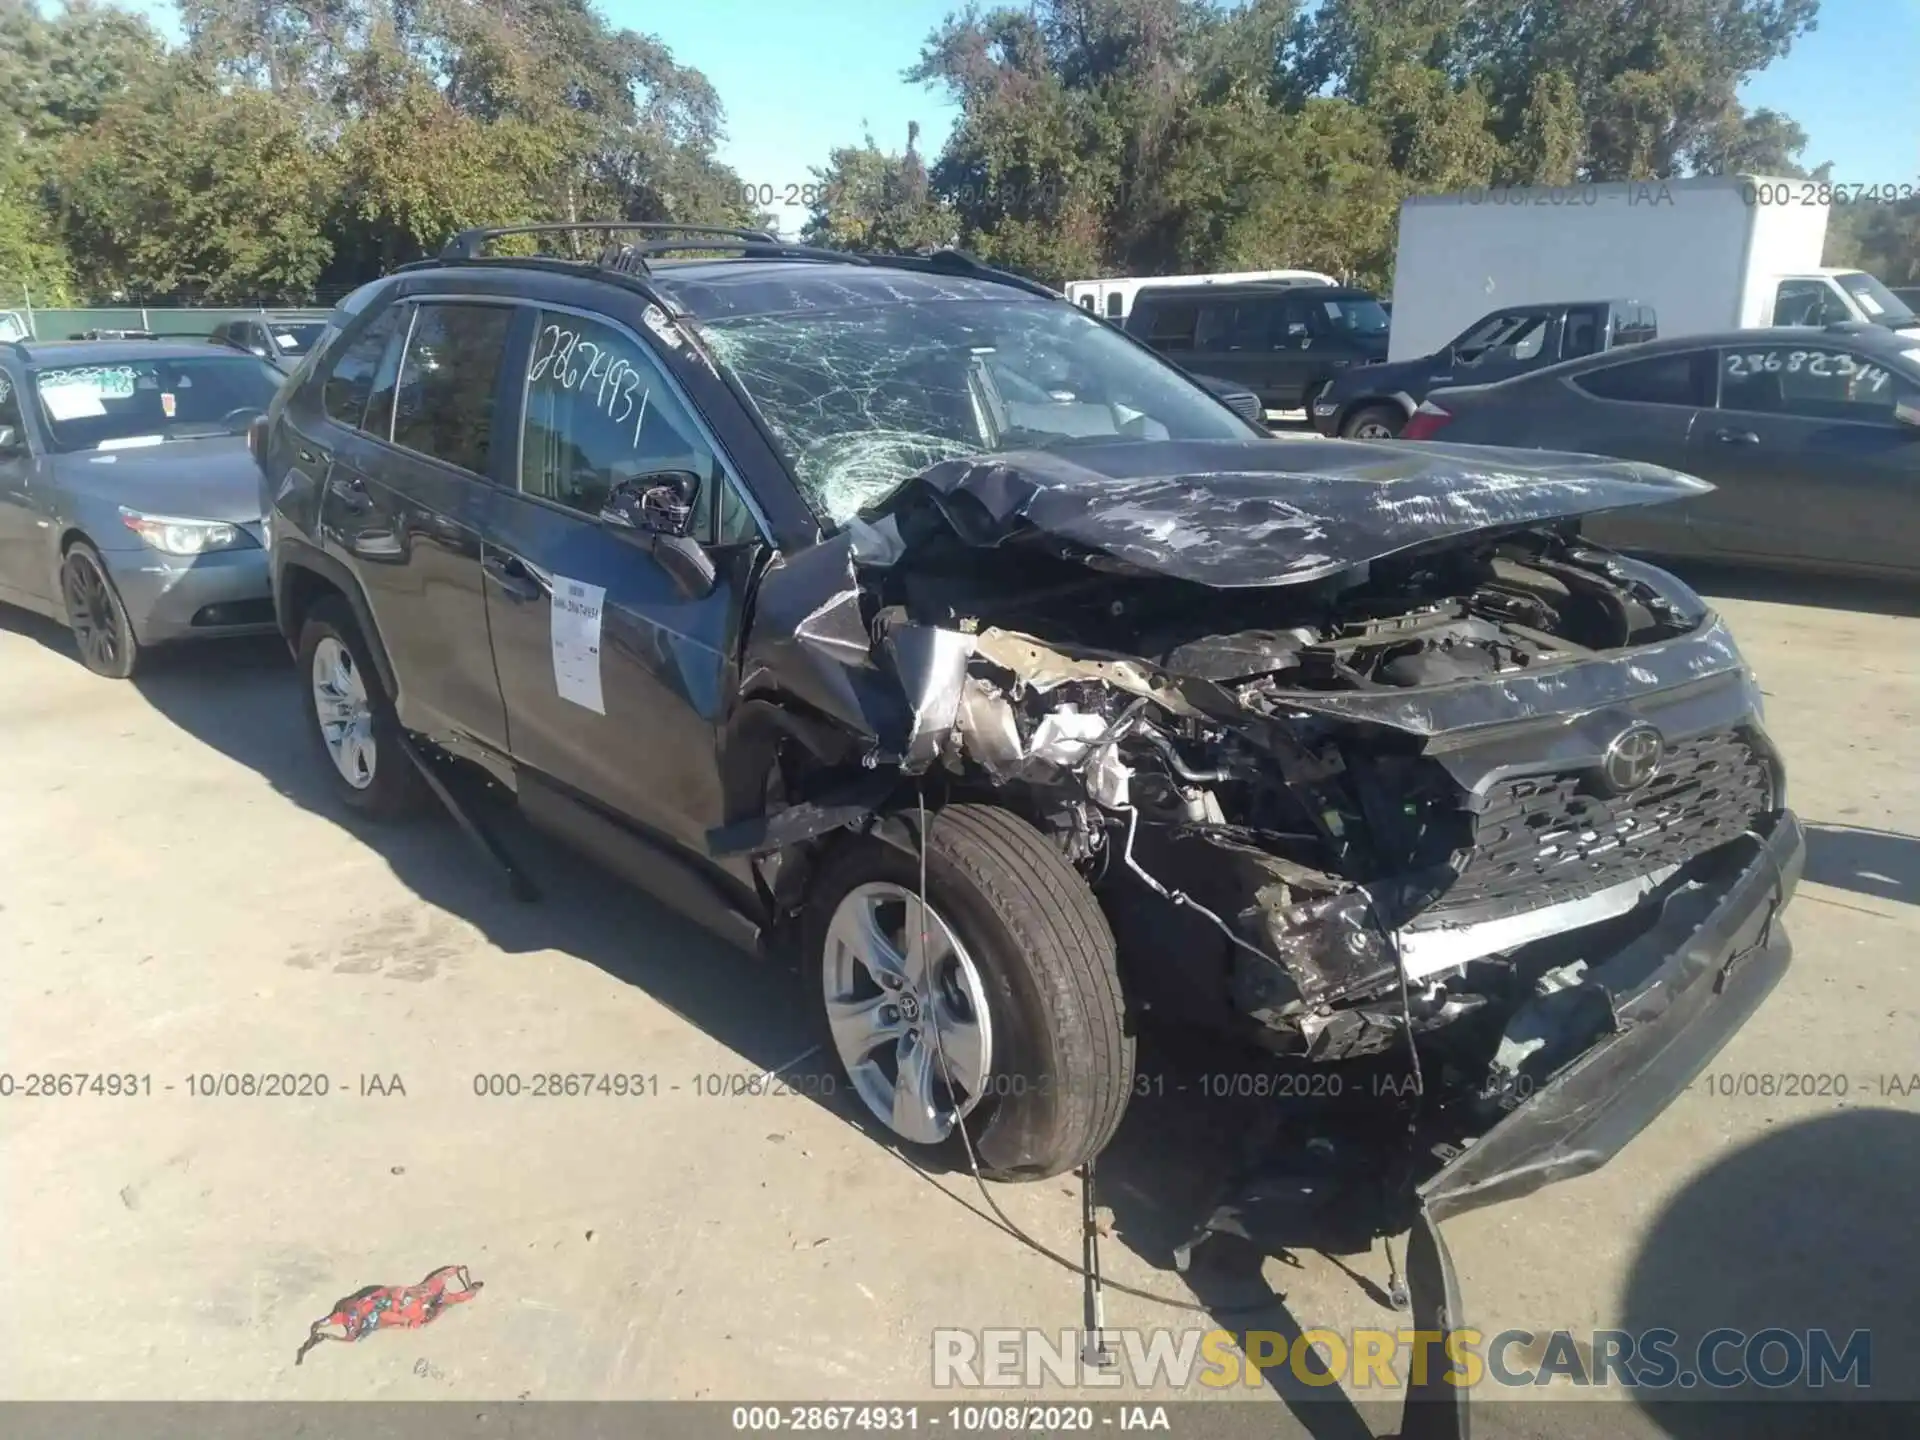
pixel 808 589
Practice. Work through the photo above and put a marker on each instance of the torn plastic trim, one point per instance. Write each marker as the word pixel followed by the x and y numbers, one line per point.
pixel 1427 949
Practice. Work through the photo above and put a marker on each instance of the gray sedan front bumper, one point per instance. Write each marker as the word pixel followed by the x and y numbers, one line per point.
pixel 182 597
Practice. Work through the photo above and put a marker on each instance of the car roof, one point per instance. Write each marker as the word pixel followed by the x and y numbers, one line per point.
pixel 1876 338
pixel 1254 287
pixel 114 352
pixel 747 286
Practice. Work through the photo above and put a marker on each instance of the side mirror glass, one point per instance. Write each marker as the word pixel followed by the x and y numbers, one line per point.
pixel 11 442
pixel 1907 412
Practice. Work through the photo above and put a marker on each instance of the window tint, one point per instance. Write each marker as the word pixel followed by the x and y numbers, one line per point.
pixel 443 401
pixel 1248 325
pixel 1582 335
pixel 1170 326
pixel 351 382
pixel 10 407
pixel 1487 332
pixel 1815 382
pixel 1113 306
pixel 1659 380
pixel 1086 302
pixel 599 411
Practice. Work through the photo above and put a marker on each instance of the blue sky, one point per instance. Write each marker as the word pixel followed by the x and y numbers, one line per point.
pixel 798 79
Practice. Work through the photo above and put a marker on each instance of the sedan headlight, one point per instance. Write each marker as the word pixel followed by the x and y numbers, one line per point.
pixel 185 537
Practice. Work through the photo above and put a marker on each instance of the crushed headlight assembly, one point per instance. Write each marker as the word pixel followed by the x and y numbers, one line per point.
pixel 174 536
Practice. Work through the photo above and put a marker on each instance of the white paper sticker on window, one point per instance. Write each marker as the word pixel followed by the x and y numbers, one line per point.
pixel 286 342
pixel 72 402
pixel 1869 304
pixel 576 642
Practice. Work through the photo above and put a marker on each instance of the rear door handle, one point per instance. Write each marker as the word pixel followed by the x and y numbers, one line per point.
pixel 351 491
pixel 1736 437
pixel 512 578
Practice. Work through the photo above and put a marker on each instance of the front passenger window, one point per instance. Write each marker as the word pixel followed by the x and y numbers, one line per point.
pixel 350 385
pixel 600 411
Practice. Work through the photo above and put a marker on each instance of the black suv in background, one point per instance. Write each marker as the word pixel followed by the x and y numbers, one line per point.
pixel 1284 342
pixel 1374 402
pixel 897 613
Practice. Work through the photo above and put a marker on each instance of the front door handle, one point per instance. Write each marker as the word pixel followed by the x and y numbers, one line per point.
pixel 1736 437
pixel 511 577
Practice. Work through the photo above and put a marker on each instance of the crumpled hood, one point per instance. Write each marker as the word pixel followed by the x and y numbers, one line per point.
pixel 1232 514
pixel 212 479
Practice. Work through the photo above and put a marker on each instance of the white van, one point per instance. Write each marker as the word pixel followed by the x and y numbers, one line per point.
pixel 1113 297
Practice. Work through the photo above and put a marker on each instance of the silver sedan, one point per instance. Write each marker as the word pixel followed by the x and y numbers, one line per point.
pixel 129 502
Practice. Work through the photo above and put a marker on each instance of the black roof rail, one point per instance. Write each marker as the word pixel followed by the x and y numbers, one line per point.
pixel 471 244
pixel 945 260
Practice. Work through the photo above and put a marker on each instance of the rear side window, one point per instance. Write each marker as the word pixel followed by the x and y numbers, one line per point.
pixel 1170 326
pixel 443 401
pixel 1582 334
pixel 1113 306
pixel 600 411
pixel 1814 383
pixel 1659 380
pixel 350 383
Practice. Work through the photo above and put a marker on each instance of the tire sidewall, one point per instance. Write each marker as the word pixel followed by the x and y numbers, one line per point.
pixel 1386 416
pixel 1023 1096
pixel 81 553
pixel 392 789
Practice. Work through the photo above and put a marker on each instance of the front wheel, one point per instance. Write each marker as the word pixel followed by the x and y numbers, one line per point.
pixel 1001 1010
pixel 101 630
pixel 353 718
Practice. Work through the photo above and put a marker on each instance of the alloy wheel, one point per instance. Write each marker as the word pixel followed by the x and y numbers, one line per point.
pixel 907 1010
pixel 91 613
pixel 346 718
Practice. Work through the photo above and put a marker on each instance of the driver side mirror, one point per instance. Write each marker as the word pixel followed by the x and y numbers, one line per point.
pixel 656 511
pixel 12 443
pixel 1907 412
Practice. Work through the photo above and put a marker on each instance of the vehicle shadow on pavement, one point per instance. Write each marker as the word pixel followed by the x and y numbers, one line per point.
pixel 1807 1229
pixel 1865 861
pixel 1729 580
pixel 1158 1179
pixel 38 628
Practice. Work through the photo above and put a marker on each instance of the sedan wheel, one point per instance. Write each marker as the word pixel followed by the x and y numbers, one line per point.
pixel 101 630
pixel 907 1010
pixel 346 717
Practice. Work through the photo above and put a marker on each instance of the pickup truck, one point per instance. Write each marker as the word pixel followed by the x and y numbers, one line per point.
pixel 1372 402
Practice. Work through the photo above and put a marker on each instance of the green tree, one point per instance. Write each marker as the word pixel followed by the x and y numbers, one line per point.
pixel 868 200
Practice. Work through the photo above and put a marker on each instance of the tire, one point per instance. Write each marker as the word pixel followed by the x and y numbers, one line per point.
pixel 1386 417
pixel 102 632
pixel 384 783
pixel 1058 1064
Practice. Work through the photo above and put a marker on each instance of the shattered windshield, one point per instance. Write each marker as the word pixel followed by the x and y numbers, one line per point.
pixel 861 398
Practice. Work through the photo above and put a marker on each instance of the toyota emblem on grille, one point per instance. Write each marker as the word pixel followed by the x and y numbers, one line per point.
pixel 1633 758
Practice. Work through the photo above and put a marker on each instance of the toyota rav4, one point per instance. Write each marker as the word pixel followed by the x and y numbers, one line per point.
pixel 895 613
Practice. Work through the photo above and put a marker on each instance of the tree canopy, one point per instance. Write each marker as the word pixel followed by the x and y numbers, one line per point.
pixel 285 150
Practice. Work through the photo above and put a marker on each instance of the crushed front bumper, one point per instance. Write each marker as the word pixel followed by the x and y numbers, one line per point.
pixel 1679 992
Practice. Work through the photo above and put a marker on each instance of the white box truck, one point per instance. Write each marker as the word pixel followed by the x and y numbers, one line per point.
pixel 1728 252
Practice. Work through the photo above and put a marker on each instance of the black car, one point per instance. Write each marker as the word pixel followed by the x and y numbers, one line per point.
pixel 281 340
pixel 1285 342
pixel 1810 438
pixel 822 593
pixel 1372 402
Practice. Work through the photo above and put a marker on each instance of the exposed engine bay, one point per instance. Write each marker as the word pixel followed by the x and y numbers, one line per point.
pixel 1414 795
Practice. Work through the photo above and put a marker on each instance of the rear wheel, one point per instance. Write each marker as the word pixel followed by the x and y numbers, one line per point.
pixel 1007 1017
pixel 101 630
pixel 1374 422
pixel 354 723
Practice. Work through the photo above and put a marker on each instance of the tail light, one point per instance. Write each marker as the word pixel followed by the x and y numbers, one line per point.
pixel 1424 422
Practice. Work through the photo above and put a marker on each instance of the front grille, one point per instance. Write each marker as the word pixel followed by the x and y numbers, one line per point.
pixel 1247 407
pixel 1548 838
